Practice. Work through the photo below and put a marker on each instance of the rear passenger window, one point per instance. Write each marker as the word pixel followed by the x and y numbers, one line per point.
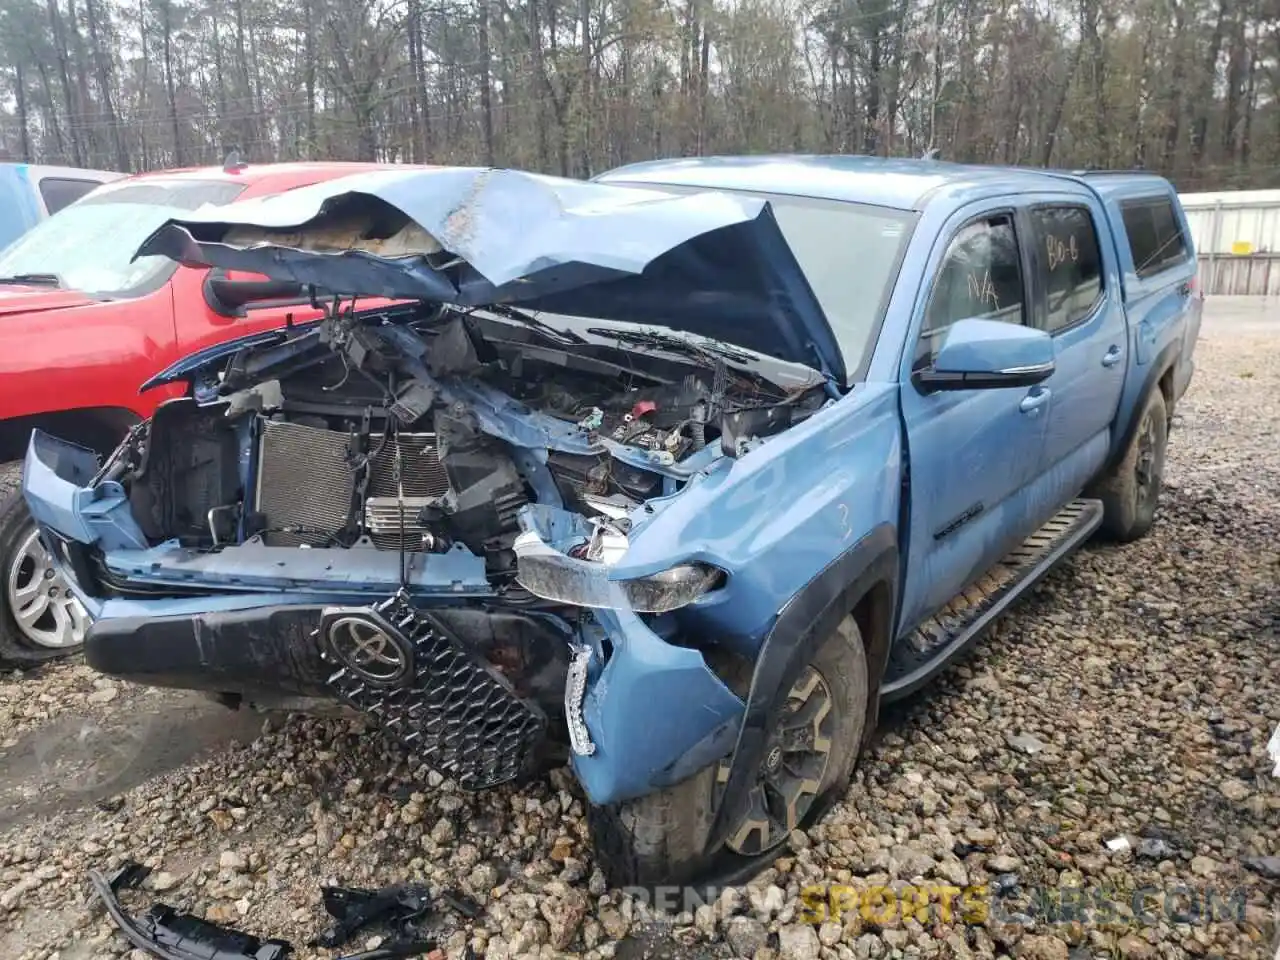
pixel 59 192
pixel 1155 235
pixel 1068 263
pixel 980 277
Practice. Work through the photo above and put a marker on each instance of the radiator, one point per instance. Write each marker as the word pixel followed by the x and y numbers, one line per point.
pixel 306 481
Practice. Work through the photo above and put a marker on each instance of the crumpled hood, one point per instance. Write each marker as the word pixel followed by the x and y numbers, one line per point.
pixel 713 264
pixel 19 300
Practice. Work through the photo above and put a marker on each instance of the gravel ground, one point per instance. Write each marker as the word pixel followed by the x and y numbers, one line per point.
pixel 1110 737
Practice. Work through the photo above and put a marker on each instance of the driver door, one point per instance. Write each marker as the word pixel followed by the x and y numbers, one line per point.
pixel 973 454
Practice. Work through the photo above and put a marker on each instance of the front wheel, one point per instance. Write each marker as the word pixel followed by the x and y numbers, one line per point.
pixel 815 735
pixel 39 616
pixel 1131 490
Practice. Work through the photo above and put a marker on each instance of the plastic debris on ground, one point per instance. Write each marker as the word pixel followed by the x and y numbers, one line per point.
pixel 165 933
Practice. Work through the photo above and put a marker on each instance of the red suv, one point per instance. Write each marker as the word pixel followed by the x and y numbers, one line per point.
pixel 83 323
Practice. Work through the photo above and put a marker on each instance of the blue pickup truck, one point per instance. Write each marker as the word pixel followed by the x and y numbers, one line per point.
pixel 676 475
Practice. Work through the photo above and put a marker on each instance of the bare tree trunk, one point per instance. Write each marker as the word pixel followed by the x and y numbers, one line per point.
pixel 625 130
pixel 1173 120
pixel 47 86
pixel 80 67
pixel 1096 74
pixel 1250 103
pixel 145 77
pixel 935 92
pixel 540 69
pixel 246 123
pixel 486 85
pixel 1060 102
pixel 24 124
pixel 309 76
pixel 64 75
pixel 586 99
pixel 417 89
pixel 171 92
pixel 220 81
pixel 1206 97
pixel 871 115
pixel 704 62
pixel 1236 70
pixel 106 84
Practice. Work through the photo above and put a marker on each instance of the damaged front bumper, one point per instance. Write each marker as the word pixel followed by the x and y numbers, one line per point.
pixel 474 687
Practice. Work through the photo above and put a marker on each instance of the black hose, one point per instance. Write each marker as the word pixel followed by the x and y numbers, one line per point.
pixel 698 430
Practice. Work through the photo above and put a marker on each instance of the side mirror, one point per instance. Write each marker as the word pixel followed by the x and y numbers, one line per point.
pixel 231 295
pixel 986 354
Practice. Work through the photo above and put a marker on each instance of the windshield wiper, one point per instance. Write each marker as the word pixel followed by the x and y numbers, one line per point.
pixel 563 337
pixel 33 279
pixel 670 341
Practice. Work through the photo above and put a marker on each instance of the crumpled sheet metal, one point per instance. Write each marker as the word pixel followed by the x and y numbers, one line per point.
pixel 506 224
pixel 711 263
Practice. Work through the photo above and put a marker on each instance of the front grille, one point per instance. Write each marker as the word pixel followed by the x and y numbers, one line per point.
pixel 449 706
pixel 305 481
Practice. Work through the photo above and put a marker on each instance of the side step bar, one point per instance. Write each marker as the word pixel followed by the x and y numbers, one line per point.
pixel 917 658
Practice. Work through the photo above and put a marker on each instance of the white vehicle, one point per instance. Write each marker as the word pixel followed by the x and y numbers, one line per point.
pixel 30 192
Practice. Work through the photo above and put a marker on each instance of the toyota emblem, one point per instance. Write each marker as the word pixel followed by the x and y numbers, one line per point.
pixel 369 650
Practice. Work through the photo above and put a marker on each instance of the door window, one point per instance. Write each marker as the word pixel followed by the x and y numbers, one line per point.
pixel 1155 235
pixel 1068 264
pixel 980 278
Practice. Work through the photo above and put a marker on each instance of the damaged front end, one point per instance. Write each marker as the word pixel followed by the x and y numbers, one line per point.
pixel 424 512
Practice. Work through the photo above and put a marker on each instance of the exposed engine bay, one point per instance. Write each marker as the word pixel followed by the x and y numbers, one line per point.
pixel 425 431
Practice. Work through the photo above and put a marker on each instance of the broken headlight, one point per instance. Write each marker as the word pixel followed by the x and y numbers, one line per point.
pixel 671 589
pixel 552 575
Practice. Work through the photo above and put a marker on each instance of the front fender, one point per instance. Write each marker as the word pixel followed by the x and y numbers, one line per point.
pixel 650 706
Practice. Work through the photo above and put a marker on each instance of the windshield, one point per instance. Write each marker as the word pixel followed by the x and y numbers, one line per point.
pixel 89 246
pixel 850 254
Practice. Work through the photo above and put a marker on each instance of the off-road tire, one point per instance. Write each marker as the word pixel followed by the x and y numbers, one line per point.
pixel 661 838
pixel 15 526
pixel 1129 507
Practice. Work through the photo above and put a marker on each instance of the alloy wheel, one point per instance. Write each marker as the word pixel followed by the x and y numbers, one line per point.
pixel 46 611
pixel 1146 468
pixel 792 770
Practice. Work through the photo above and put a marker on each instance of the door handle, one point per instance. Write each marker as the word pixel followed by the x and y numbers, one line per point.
pixel 1033 401
pixel 1111 357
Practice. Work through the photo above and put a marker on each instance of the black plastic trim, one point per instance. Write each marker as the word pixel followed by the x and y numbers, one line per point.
pixel 807 620
pixel 932 381
pixel 232 298
pixel 266 652
pixel 258 651
pixel 255 949
pixel 1163 364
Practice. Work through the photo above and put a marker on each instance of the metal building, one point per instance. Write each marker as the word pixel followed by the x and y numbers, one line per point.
pixel 1237 238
